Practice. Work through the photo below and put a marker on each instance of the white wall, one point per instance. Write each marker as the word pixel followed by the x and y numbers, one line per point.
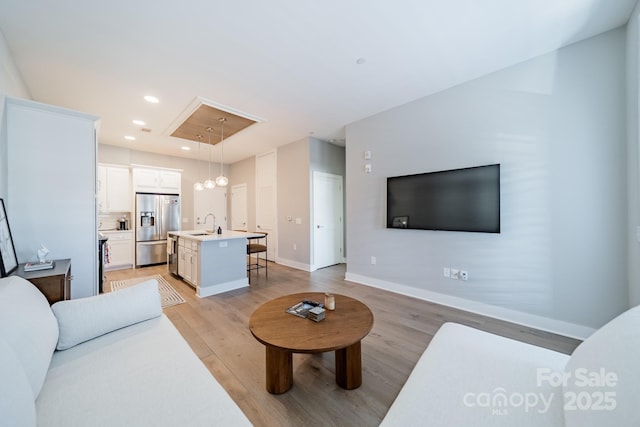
pixel 11 84
pixel 633 140
pixel 556 124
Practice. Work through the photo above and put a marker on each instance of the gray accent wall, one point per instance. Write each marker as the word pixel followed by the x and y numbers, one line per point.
pixel 294 240
pixel 556 124
pixel 296 163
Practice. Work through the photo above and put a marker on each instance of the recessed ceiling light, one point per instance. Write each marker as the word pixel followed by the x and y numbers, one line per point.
pixel 361 61
pixel 129 138
pixel 185 148
pixel 151 99
pixel 139 122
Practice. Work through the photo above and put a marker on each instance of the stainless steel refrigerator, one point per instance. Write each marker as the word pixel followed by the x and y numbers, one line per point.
pixel 156 214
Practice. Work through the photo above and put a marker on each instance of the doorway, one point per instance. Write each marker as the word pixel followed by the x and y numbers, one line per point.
pixel 239 207
pixel 328 231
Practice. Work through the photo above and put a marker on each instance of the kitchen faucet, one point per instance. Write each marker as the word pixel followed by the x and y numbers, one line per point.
pixel 213 227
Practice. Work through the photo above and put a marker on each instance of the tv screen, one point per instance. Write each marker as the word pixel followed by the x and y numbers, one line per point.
pixel 453 200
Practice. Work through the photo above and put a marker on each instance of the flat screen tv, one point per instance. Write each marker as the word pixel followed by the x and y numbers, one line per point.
pixel 454 200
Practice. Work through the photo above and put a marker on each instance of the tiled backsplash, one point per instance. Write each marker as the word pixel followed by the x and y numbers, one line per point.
pixel 109 221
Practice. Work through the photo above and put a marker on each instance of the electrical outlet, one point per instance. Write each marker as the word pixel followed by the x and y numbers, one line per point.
pixel 446 272
pixel 295 247
pixel 373 260
pixel 455 273
pixel 464 275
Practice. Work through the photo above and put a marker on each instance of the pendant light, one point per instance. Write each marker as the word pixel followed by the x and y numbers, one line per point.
pixel 198 185
pixel 222 180
pixel 209 183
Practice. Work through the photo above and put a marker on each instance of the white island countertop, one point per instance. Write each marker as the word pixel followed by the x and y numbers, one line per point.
pixel 202 236
pixel 212 263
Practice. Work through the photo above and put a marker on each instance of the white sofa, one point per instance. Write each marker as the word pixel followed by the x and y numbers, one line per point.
pixel 123 363
pixel 468 377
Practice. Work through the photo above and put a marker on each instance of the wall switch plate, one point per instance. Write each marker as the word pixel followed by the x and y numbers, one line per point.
pixel 295 247
pixel 464 275
pixel 373 260
pixel 367 168
pixel 185 220
pixel 455 273
pixel 298 221
pixel 367 154
pixel 289 218
pixel 446 272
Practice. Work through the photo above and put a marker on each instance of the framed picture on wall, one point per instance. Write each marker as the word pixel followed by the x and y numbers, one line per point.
pixel 8 258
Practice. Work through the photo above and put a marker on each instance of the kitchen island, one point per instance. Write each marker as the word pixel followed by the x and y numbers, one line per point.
pixel 211 263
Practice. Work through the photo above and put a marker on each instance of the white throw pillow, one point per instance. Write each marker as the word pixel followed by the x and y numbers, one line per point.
pixel 28 327
pixel 602 377
pixel 17 406
pixel 83 319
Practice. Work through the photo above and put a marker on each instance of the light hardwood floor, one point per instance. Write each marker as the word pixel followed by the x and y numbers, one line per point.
pixel 217 330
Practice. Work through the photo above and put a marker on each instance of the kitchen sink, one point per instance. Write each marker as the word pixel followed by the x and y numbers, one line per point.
pixel 203 233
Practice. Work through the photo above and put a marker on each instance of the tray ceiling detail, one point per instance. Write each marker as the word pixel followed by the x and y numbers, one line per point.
pixel 202 115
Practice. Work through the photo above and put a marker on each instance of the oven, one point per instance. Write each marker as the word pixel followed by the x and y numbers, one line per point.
pixel 172 254
pixel 102 241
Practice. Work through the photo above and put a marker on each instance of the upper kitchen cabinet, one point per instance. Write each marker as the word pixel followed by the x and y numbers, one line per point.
pixel 114 189
pixel 147 180
pixel 51 187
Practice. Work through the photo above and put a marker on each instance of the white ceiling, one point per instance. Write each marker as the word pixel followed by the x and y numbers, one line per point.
pixel 291 62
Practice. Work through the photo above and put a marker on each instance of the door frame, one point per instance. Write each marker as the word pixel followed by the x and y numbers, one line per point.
pixel 339 220
pixel 246 206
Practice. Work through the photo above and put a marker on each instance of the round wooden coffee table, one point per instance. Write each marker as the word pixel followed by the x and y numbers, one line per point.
pixel 284 334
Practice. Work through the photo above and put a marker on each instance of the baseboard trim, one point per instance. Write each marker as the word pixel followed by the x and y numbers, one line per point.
pixel 221 288
pixel 560 327
pixel 294 264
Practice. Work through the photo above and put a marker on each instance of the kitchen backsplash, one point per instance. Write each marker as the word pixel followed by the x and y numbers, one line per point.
pixel 111 221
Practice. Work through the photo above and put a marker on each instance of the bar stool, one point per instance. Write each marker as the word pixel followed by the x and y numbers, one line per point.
pixel 255 246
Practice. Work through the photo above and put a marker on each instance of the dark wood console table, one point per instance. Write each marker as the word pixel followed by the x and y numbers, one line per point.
pixel 54 283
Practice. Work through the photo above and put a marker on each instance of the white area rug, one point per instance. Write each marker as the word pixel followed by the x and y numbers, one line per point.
pixel 168 295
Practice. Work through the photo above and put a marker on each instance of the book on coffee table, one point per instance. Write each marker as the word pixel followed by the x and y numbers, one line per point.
pixel 302 308
pixel 34 266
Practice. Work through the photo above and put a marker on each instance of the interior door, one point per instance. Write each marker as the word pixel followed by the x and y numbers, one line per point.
pixel 239 207
pixel 208 201
pixel 327 219
pixel 266 199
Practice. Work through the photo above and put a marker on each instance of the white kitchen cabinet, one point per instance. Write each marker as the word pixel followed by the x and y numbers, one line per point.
pixel 188 261
pixel 120 249
pixel 102 189
pixel 170 181
pixel 194 263
pixel 156 181
pixel 114 189
pixel 51 184
pixel 181 259
pixel 119 196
